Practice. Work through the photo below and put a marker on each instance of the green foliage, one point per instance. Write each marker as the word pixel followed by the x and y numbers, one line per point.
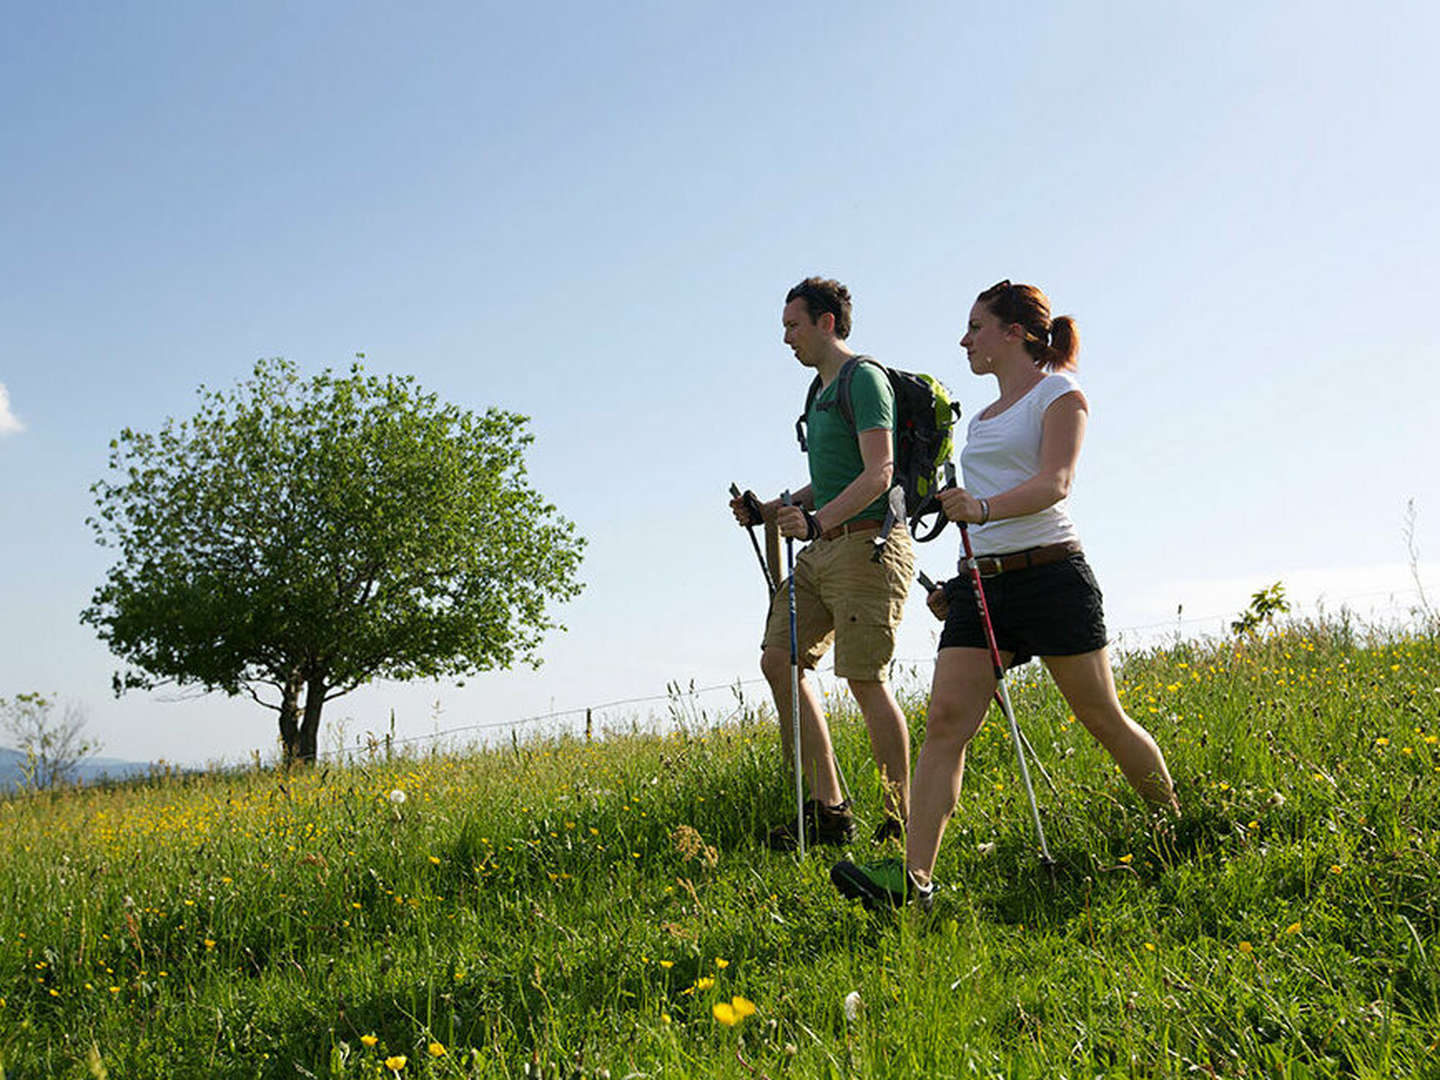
pixel 575 909
pixel 1265 604
pixel 317 534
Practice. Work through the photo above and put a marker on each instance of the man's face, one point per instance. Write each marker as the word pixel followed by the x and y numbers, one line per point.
pixel 803 334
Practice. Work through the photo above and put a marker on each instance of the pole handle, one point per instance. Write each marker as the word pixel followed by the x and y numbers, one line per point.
pixel 751 501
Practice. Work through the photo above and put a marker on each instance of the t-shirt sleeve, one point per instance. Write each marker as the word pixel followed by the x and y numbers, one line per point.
pixel 871 399
pixel 1054 386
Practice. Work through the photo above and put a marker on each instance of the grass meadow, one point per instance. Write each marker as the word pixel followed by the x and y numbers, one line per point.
pixel 607 909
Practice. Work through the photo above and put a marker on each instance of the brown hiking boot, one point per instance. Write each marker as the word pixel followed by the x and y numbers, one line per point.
pixel 833 825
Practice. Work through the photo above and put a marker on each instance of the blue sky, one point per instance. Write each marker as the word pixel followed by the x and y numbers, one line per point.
pixel 592 218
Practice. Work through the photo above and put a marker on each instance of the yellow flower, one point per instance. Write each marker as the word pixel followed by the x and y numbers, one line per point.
pixel 1246 947
pixel 725 1013
pixel 435 859
pixel 667 964
pixel 1334 869
pixel 1127 858
pixel 721 963
pixel 368 1040
pixel 396 1063
pixel 1149 946
pixel 704 982
pixel 436 1049
pixel 743 1006
pixel 209 943
pixel 1293 928
pixel 1382 741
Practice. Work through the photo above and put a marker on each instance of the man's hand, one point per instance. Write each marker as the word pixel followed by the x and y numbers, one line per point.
pixel 745 507
pixel 797 523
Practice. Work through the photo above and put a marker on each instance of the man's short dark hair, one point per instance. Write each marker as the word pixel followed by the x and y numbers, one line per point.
pixel 824 296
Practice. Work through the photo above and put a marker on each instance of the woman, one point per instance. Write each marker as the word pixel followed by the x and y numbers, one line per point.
pixel 1019 460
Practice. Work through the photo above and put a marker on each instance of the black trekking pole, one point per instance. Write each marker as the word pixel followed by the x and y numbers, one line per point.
pixel 795 691
pixel 1003 695
pixel 757 517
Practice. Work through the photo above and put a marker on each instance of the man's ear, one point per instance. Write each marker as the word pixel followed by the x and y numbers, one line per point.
pixel 826 322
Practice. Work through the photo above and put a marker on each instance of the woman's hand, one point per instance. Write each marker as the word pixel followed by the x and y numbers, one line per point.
pixel 959 505
pixel 936 602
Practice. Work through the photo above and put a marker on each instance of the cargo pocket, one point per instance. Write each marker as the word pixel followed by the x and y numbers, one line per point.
pixel 865 636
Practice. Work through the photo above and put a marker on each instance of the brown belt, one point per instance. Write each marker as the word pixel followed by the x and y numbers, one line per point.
pixel 850 528
pixel 1044 555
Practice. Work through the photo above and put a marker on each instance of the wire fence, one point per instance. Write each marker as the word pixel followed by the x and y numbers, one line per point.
pixel 721 704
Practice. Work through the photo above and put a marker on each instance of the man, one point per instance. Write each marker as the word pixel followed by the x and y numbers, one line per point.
pixel 841 593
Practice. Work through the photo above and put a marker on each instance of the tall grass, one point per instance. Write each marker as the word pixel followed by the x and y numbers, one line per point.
pixel 581 909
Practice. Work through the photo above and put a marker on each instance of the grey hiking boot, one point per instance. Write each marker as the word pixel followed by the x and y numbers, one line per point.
pixel 833 825
pixel 881 884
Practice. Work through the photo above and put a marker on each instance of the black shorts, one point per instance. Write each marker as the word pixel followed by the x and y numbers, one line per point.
pixel 1053 610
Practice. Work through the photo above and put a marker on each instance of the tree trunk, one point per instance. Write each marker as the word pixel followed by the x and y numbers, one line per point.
pixel 289 716
pixel 310 725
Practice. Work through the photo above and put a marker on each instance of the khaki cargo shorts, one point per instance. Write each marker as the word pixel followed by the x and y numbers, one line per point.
pixel 841 596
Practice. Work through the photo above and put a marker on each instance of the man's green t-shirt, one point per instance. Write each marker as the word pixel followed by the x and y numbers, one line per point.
pixel 834 447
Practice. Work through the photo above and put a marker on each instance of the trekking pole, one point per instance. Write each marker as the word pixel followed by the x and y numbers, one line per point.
pixel 929 587
pixel 1001 694
pixel 1000 691
pixel 752 504
pixel 795 691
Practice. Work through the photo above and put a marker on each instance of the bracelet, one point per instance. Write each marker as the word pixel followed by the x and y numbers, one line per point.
pixel 984 511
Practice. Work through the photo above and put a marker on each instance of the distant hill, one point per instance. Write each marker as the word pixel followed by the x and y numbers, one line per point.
pixel 12 769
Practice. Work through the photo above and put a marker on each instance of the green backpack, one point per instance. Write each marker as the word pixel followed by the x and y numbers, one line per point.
pixel 925 419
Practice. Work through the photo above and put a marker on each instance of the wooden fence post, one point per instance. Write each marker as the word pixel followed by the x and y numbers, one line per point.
pixel 772 553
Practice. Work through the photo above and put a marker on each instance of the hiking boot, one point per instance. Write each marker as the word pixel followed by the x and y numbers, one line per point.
pixel 886 883
pixel 833 825
pixel 889 829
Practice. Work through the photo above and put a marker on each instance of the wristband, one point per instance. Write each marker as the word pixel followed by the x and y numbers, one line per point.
pixel 984 511
pixel 812 525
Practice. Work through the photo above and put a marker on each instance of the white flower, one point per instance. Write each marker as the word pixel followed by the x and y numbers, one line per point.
pixel 397 796
pixel 987 848
pixel 852 1005
pixel 1275 800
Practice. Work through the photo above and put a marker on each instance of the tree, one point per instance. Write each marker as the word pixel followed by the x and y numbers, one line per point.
pixel 308 536
pixel 1265 604
pixel 53 745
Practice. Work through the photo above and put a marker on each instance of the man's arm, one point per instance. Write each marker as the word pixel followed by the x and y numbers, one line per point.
pixel 874 480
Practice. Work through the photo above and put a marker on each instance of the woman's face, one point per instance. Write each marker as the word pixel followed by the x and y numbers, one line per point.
pixel 985 337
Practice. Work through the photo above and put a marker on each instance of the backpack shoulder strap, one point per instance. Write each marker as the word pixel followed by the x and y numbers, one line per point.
pixel 842 392
pixel 809 400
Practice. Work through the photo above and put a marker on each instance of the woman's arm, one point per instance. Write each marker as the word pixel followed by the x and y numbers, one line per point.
pixel 1061 435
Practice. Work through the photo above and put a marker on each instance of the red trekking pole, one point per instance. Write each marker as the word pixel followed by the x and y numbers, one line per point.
pixel 1001 694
